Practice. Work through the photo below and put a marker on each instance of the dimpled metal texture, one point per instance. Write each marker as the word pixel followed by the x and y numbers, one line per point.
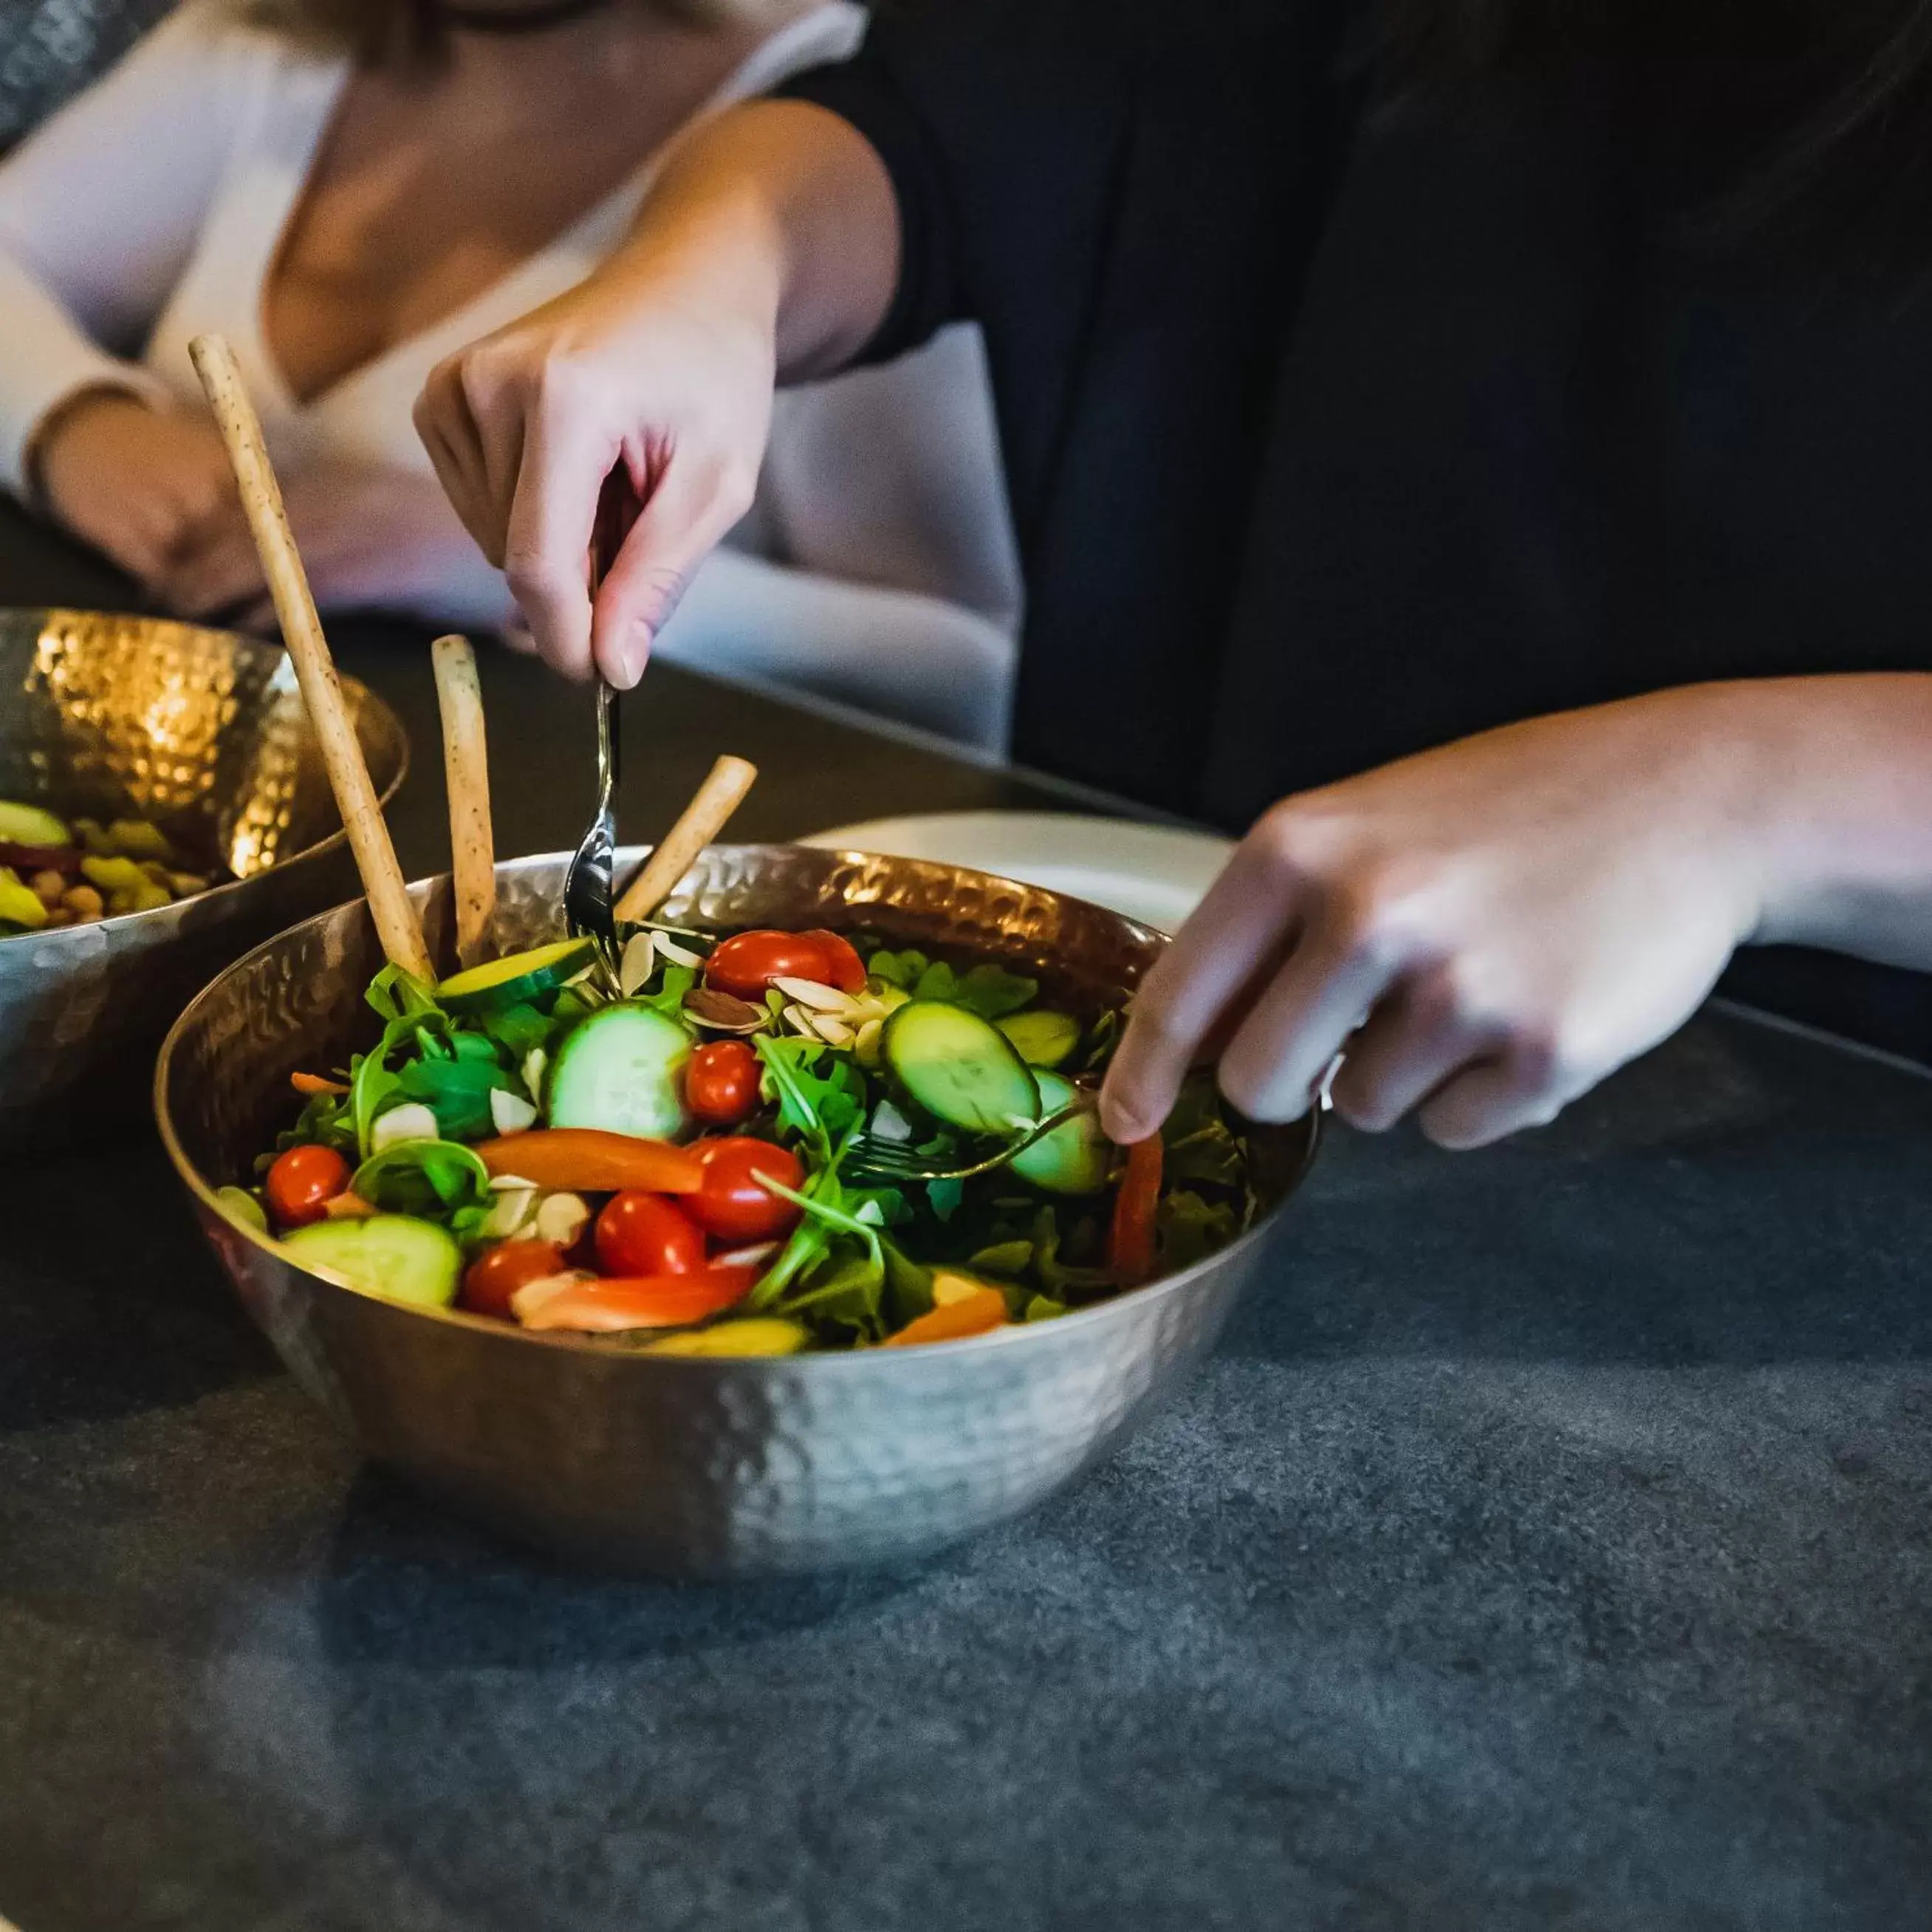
pixel 678 1466
pixel 203 733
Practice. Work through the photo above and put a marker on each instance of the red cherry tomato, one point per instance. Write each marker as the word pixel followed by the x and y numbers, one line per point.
pixel 495 1274
pixel 721 1082
pixel 748 962
pixel 302 1183
pixel 643 1234
pixel 731 1204
pixel 844 968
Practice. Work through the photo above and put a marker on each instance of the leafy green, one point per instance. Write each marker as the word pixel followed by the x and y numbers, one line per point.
pixel 944 1197
pixel 1102 1037
pixel 819 1106
pixel 1190 1228
pixel 426 1177
pixel 457 1092
pixel 518 1030
pixel 675 983
pixel 902 970
pixel 1043 1308
pixel 1010 1259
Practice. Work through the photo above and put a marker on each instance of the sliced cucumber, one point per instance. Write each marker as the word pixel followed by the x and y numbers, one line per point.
pixel 1043 1037
pixel 961 1069
pixel 521 976
pixel 622 1069
pixel 394 1255
pixel 28 825
pixel 1071 1160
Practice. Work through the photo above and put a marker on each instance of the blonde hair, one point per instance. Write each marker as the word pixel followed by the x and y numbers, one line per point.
pixel 383 29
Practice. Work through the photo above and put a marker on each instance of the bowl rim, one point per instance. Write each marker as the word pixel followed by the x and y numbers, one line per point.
pixel 1007 1336
pixel 331 842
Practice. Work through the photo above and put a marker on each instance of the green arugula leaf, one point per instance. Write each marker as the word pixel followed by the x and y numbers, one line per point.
pixel 1190 1228
pixel 819 1106
pixel 1008 1259
pixel 1102 1037
pixel 902 970
pixel 672 984
pixel 423 1178
pixel 518 1030
pixel 943 1197
pixel 1043 1308
pixel 457 1092
pixel 992 992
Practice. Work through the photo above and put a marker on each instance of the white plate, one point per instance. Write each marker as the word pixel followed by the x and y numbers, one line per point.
pixel 1153 873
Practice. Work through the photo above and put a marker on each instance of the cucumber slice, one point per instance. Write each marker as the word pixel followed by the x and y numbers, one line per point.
pixel 622 1069
pixel 961 1069
pixel 1071 1160
pixel 393 1255
pixel 1043 1038
pixel 521 976
pixel 28 825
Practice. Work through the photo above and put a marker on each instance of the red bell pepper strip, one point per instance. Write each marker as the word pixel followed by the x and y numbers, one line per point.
pixel 978 1313
pixel 1130 1250
pixel 633 1301
pixel 587 1160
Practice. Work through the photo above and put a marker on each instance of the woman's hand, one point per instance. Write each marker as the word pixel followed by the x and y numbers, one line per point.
pixel 370 539
pixel 1506 920
pixel 523 426
pixel 769 247
pixel 143 485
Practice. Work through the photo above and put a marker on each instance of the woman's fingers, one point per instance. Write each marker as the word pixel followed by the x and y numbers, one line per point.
pixel 563 460
pixel 1420 1033
pixel 448 433
pixel 691 507
pixel 1234 932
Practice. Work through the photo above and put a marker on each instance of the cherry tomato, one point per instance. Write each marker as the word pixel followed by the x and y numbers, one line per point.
pixel 748 962
pixel 643 1234
pixel 495 1274
pixel 844 968
pixel 302 1183
pixel 721 1082
pixel 731 1204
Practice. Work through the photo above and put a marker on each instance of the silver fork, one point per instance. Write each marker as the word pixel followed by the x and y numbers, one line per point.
pixel 586 887
pixel 867 1157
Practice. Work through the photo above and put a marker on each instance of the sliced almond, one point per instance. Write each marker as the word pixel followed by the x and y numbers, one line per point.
pixel 723 1012
pixel 561 1218
pixel 821 999
pixel 639 962
pixel 834 1032
pixel 678 955
pixel 511 1112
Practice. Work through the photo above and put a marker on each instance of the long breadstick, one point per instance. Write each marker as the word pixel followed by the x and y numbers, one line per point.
pixel 701 821
pixel 396 923
pixel 466 764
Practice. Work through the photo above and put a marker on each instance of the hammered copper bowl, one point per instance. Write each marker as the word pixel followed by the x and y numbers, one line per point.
pixel 203 733
pixel 678 1466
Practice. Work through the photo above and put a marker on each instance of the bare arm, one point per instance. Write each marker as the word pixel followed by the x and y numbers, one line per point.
pixel 1509 919
pixel 769 250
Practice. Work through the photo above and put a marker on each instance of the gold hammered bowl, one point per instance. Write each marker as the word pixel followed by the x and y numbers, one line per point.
pixel 203 733
pixel 679 1465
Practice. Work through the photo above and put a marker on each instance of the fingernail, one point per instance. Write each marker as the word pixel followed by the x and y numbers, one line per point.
pixel 634 653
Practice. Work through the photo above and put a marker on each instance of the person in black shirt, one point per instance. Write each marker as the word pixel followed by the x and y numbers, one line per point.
pixel 1550 596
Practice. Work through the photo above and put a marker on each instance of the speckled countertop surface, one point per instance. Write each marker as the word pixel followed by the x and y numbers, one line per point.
pixel 1548 1545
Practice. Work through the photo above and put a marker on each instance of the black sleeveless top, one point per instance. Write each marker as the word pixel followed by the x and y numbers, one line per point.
pixel 1335 429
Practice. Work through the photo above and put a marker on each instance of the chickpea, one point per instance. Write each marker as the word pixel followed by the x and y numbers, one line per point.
pixel 48 886
pixel 84 902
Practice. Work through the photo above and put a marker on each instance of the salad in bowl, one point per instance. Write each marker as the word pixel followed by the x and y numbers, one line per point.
pixel 756 1141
